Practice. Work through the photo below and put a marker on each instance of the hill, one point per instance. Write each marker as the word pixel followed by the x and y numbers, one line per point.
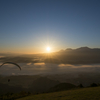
pixel 62 86
pixel 77 94
pixel 42 84
pixel 5 88
pixel 33 84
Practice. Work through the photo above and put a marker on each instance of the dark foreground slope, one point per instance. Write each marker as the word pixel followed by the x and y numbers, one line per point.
pixel 77 94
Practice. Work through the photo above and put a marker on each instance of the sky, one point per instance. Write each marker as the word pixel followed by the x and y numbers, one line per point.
pixel 29 26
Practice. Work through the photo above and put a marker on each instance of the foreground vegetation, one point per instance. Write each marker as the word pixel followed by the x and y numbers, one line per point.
pixel 13 96
pixel 92 93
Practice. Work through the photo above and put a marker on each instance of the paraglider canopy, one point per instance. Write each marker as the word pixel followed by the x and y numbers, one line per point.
pixel 11 63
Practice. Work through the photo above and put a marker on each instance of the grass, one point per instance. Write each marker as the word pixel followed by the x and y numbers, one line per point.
pixel 13 96
pixel 92 93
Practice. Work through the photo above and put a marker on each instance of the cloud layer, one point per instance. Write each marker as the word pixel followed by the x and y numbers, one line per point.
pixel 46 68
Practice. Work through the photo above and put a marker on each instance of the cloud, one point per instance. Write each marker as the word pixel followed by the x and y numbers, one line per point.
pixel 13 74
pixel 29 63
pixel 39 64
pixel 2 56
pixel 65 65
pixel 47 68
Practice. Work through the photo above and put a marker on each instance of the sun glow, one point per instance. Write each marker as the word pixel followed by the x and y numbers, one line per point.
pixel 48 49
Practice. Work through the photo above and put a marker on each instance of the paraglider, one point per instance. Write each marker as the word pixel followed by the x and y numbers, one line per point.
pixel 11 63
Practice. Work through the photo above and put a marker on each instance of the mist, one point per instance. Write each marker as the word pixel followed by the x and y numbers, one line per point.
pixel 47 68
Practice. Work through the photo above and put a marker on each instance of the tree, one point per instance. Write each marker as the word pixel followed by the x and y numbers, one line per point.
pixel 93 85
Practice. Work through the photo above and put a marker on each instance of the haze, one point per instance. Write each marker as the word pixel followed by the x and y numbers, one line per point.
pixel 55 43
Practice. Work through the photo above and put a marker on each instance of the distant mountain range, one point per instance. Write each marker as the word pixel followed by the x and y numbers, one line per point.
pixel 81 49
pixel 82 55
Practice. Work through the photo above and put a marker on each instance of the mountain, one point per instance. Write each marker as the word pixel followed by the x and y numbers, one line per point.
pixel 82 55
pixel 5 88
pixel 83 49
pixel 62 86
pixel 42 84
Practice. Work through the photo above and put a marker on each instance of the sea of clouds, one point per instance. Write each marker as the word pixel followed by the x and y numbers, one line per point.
pixel 46 68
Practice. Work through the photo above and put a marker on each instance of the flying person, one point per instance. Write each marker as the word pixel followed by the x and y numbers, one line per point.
pixel 13 64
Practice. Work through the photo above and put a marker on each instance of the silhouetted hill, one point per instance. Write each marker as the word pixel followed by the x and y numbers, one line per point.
pixel 42 84
pixel 62 86
pixel 4 88
pixel 83 49
pixel 76 94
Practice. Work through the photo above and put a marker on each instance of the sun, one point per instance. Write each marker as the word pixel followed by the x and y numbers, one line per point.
pixel 48 49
